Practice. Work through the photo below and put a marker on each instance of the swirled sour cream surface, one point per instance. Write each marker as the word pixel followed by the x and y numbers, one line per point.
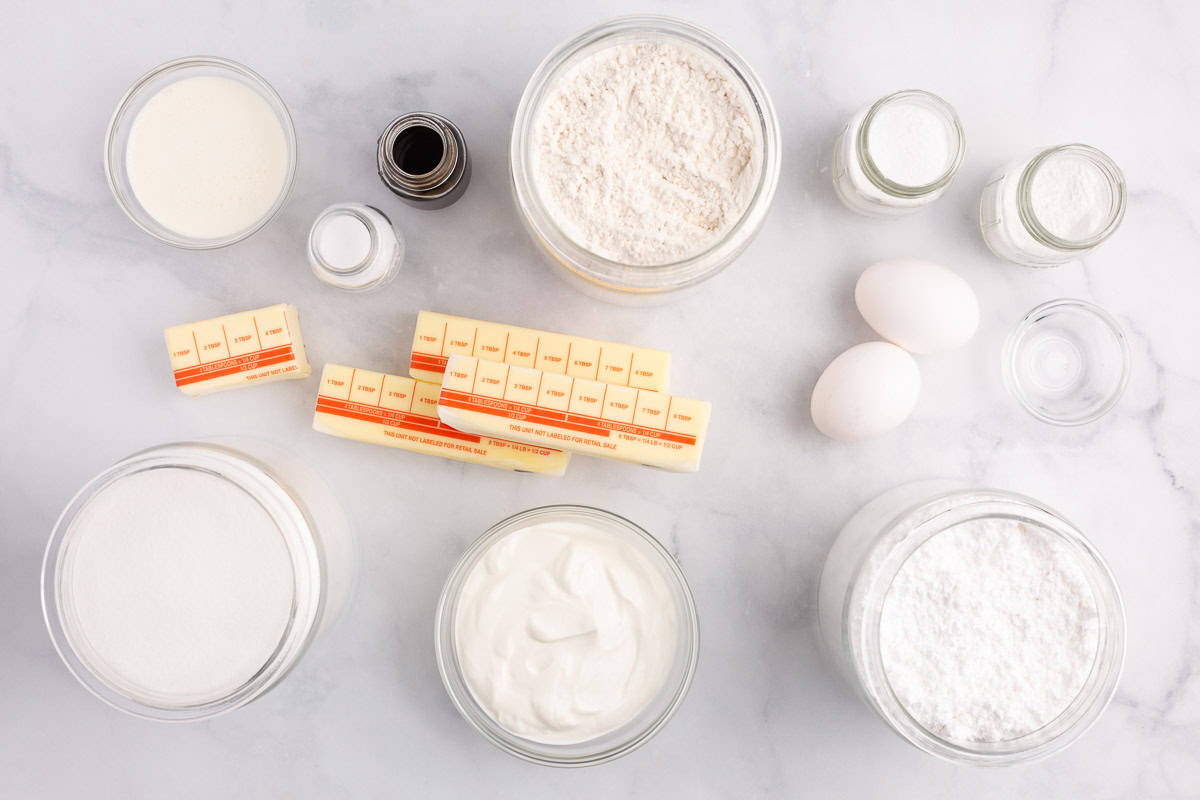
pixel 565 631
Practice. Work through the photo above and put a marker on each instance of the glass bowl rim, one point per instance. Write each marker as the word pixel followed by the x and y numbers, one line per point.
pixel 295 525
pixel 451 676
pixel 1012 343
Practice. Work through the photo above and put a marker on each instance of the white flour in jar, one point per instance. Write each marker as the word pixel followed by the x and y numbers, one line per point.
pixel 989 631
pixel 646 153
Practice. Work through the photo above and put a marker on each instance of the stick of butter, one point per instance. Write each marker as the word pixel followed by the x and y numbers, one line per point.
pixel 396 411
pixel 257 346
pixel 579 415
pixel 439 336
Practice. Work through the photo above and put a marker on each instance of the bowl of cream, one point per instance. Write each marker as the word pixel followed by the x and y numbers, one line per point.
pixel 644 156
pixel 200 152
pixel 567 636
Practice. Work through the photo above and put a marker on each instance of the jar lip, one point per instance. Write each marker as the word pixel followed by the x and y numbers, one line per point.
pixel 917 524
pixel 1106 166
pixel 342 210
pixel 446 174
pixel 113 157
pixel 671 696
pixel 643 278
pixel 871 169
pixel 296 528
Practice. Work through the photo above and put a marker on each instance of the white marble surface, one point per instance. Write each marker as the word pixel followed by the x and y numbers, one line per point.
pixel 86 296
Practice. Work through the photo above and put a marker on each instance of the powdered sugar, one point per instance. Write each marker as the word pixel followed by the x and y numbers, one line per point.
pixel 910 143
pixel 646 152
pixel 989 631
pixel 1071 197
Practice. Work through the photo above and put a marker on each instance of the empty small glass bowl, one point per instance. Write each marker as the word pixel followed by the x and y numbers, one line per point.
pixel 1067 362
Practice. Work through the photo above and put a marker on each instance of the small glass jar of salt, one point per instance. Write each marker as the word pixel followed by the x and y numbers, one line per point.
pixel 898 155
pixel 354 247
pixel 1052 207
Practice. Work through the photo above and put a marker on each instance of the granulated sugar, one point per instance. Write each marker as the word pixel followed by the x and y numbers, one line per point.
pixel 988 631
pixel 646 153
pixel 179 586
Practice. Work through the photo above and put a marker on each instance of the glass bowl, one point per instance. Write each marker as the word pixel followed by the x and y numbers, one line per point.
pixel 600 276
pixel 116 142
pixel 1067 362
pixel 615 743
pixel 311 525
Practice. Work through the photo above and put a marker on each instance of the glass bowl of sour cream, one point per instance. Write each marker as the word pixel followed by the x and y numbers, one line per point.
pixel 567 636
pixel 200 152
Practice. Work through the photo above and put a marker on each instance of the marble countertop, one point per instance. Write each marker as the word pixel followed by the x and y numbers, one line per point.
pixel 364 715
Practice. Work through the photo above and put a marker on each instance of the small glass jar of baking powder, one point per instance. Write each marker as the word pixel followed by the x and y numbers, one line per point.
pixel 354 247
pixel 898 155
pixel 1052 207
pixel 870 556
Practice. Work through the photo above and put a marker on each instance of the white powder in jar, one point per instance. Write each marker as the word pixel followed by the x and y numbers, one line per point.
pixel 989 631
pixel 1071 197
pixel 646 152
pixel 910 143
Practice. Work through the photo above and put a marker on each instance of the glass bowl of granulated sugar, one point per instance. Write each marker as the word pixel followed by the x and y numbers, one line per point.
pixel 644 156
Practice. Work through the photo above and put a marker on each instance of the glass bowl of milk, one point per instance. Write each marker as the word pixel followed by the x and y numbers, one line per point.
pixel 187 580
pixel 200 152
pixel 567 636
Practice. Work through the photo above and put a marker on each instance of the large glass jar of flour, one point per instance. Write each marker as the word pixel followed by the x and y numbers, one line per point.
pixel 980 625
pixel 644 156
pixel 1053 206
pixel 188 579
pixel 898 155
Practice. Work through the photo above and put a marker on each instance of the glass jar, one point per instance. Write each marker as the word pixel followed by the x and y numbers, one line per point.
pixel 354 247
pixel 605 747
pixel 1010 223
pixel 596 275
pixel 116 143
pixel 422 157
pixel 862 183
pixel 868 554
pixel 315 538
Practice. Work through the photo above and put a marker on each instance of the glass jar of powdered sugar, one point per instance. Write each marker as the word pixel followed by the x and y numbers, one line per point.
pixel 1053 206
pixel 188 579
pixel 980 625
pixel 898 155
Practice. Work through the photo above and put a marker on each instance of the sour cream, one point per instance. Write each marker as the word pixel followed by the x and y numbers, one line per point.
pixel 565 631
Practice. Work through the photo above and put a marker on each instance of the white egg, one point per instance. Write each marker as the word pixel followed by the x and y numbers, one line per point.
pixel 919 305
pixel 866 391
